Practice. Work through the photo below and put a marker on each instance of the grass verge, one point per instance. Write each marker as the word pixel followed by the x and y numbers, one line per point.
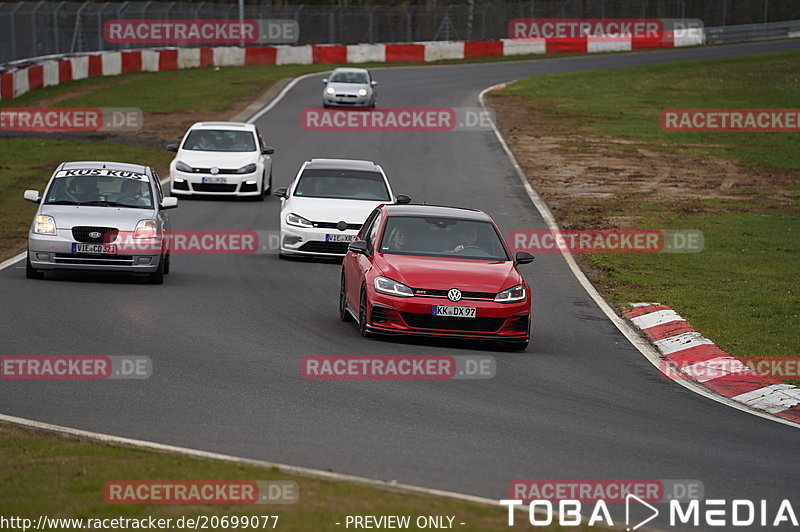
pixel 741 189
pixel 45 474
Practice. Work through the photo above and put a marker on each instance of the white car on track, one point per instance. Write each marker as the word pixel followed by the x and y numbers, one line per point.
pixel 326 204
pixel 221 159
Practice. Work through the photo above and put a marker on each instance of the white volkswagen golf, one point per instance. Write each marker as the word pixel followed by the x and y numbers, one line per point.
pixel 324 207
pixel 221 159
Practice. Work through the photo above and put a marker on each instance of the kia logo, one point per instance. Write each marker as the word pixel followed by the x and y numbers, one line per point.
pixel 454 294
pixel 95 234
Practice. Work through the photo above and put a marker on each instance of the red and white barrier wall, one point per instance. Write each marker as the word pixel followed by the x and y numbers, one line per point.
pixel 64 69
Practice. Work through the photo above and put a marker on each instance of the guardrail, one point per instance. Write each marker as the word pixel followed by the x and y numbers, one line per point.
pixel 789 29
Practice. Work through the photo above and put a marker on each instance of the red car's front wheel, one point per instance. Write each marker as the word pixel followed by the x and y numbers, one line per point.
pixel 362 313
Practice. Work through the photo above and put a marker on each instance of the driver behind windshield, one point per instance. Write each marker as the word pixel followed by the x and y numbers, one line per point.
pixel 467 238
pixel 134 192
pixel 84 189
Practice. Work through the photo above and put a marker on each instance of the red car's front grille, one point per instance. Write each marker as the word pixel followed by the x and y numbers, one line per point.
pixel 430 292
pixel 447 323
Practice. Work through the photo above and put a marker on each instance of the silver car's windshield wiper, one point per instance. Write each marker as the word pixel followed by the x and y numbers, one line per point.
pixel 62 202
pixel 113 204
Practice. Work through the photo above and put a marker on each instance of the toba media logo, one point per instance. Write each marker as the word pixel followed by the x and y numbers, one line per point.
pixel 569 502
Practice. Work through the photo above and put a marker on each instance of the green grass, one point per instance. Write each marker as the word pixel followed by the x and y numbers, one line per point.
pixel 742 291
pixel 43 474
pixel 626 103
pixel 197 89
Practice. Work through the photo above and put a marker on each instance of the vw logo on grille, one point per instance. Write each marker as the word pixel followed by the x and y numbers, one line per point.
pixel 215 170
pixel 341 226
pixel 454 294
pixel 95 234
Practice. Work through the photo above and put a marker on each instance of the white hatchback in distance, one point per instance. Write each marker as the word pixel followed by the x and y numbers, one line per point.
pixel 326 204
pixel 221 159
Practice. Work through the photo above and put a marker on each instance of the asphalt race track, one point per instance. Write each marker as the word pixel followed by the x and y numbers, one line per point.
pixel 227 332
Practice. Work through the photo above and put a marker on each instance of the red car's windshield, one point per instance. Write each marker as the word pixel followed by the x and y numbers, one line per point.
pixel 442 237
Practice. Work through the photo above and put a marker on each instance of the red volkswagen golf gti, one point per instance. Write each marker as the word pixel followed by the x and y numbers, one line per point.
pixel 435 271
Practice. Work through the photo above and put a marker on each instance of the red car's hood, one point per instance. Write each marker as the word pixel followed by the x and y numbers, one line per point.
pixel 444 273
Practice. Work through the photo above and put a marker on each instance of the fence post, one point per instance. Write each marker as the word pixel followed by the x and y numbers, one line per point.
pixel 766 11
pixel 332 25
pixel 77 26
pixel 56 43
pixel 33 23
pixel 14 31
pixel 409 22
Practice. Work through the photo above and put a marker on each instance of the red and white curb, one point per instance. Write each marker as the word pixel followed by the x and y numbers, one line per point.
pixel 53 70
pixel 692 354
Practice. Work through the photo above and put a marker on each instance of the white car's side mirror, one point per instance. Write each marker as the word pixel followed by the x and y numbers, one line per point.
pixel 32 195
pixel 169 203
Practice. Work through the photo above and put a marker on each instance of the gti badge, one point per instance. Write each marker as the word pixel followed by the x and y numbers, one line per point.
pixel 454 295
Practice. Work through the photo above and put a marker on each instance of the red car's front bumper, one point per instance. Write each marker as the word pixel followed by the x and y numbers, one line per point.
pixel 414 315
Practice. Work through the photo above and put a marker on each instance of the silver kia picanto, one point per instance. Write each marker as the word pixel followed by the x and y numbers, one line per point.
pixel 101 216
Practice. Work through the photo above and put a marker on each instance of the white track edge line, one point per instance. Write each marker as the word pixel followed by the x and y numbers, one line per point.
pixel 13 260
pixel 645 348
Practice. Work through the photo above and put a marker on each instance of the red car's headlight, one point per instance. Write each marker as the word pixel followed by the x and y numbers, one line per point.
pixel 384 285
pixel 511 295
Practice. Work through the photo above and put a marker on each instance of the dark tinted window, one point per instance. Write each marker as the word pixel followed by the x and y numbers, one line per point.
pixel 342 184
pixel 220 140
pixel 444 237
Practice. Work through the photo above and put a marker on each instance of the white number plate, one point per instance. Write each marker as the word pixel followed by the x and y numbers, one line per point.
pixel 101 249
pixel 339 238
pixel 221 180
pixel 458 312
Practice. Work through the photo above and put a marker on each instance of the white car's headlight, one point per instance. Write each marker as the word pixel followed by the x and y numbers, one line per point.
pixel 362 92
pixel 248 169
pixel 146 229
pixel 183 167
pixel 515 293
pixel 44 225
pixel 297 221
pixel 330 90
pixel 384 285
